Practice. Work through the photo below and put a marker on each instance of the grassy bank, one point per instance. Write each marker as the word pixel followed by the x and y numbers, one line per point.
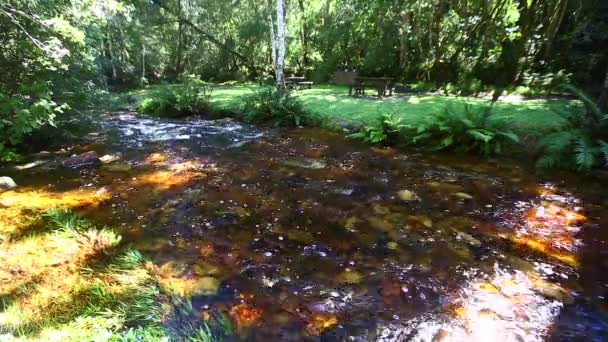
pixel 526 117
pixel 65 278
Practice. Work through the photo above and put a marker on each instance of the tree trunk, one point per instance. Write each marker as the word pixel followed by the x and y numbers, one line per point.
pixel 603 100
pixel 553 27
pixel 304 34
pixel 143 64
pixel 273 40
pixel 404 41
pixel 112 56
pixel 178 57
pixel 280 66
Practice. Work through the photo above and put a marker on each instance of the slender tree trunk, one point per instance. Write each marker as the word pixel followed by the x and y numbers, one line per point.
pixel 553 27
pixel 143 64
pixel 304 34
pixel 112 56
pixel 178 57
pixel 280 45
pixel 404 41
pixel 273 40
pixel 603 100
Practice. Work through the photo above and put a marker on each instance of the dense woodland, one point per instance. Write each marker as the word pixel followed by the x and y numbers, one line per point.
pixel 129 43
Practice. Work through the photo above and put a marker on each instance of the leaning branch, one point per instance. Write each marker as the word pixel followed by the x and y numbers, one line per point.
pixel 209 37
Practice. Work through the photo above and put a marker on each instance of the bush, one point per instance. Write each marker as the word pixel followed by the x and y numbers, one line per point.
pixel 463 130
pixel 192 97
pixel 276 107
pixel 580 145
pixel 387 130
pixel 22 113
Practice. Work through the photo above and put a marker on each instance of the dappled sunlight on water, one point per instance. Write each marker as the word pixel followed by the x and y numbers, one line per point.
pixel 303 234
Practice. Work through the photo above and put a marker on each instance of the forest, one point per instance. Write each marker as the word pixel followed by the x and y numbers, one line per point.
pixel 303 170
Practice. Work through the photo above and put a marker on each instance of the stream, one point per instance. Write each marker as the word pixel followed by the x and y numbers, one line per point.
pixel 307 235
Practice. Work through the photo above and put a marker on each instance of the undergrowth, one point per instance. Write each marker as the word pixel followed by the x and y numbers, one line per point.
pixel 191 97
pixel 466 130
pixel 277 107
pixel 582 143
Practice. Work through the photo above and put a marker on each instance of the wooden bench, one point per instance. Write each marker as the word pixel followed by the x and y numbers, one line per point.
pixel 305 85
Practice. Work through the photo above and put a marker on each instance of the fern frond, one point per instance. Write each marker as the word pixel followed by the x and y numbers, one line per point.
pixel 548 161
pixel 591 106
pixel 509 135
pixel 557 142
pixel 603 148
pixel 585 155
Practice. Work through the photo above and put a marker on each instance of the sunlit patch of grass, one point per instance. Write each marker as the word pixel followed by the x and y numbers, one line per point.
pixel 67 283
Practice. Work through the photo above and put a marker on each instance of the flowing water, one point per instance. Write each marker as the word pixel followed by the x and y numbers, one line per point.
pixel 306 235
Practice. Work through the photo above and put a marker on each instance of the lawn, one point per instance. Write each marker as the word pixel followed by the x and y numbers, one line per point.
pixel 528 117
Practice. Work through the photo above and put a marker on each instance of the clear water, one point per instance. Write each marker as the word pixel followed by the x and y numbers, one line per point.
pixel 306 235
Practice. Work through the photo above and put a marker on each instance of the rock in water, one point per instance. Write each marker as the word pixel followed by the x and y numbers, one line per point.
pixel 7 183
pixel 306 163
pixel 82 160
pixel 407 195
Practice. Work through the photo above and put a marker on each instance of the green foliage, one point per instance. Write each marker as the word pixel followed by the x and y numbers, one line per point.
pixel 385 130
pixel 10 155
pixel 463 130
pixel 277 107
pixel 580 144
pixel 26 111
pixel 192 97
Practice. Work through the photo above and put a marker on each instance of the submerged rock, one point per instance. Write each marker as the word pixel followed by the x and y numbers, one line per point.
pixel 7 183
pixel 306 163
pixel 205 286
pixel 350 277
pixel 109 158
pixel 82 160
pixel 118 167
pixel 407 195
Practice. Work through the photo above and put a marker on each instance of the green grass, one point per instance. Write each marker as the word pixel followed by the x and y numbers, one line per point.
pixel 525 117
pixel 102 292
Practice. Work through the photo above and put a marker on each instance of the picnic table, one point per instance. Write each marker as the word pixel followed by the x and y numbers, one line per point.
pixel 381 84
pixel 299 81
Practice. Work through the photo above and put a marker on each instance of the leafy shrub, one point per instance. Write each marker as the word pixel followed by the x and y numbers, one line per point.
pixel 580 145
pixel 277 107
pixel 386 130
pixel 192 97
pixel 22 113
pixel 463 130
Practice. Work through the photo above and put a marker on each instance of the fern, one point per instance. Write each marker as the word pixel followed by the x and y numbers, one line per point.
pixel 465 130
pixel 585 157
pixel 591 106
pixel 603 148
pixel 387 130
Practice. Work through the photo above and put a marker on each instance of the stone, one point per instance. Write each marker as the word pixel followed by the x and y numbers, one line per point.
pixel 350 277
pixel 29 165
pixel 205 286
pixel 462 195
pixel 407 195
pixel 7 183
pixel 206 269
pixel 306 163
pixel 118 167
pixel 82 160
pixel 109 158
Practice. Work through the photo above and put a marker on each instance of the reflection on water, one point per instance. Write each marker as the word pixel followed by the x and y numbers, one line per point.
pixel 303 234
